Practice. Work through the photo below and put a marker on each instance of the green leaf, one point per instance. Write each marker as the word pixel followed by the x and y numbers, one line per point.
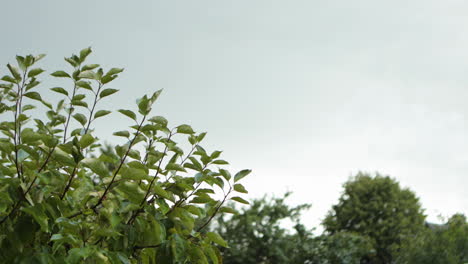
pixel 84 84
pixel 80 118
pixel 134 174
pixel 155 95
pixel 61 74
pixel 107 92
pixel 96 166
pixel 84 53
pixel 226 175
pixel 114 71
pixel 15 72
pixel 10 79
pixel 88 75
pixel 175 166
pixel 185 129
pixel 159 120
pixel 101 113
pixel 22 155
pixel 241 174
pixel 39 57
pixel 33 95
pixel 144 105
pixel 86 140
pixel 122 133
pixel 72 62
pixel 79 97
pixel 21 63
pixel 128 113
pixel 240 188
pixel 228 210
pixel 79 103
pixel 217 239
pixel 59 90
pixel 35 72
pixel 89 67
pixel 239 199
pixel 220 162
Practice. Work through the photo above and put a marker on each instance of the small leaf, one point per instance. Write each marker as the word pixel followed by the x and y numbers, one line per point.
pixel 21 63
pixel 10 79
pixel 226 175
pixel 79 103
pixel 175 166
pixel 228 210
pixel 86 140
pixel 84 53
pixel 39 57
pixel 88 75
pixel 123 133
pixel 107 92
pixel 61 74
pixel 33 95
pixel 240 188
pixel 84 84
pixel 22 155
pixel 15 72
pixel 114 71
pixel 89 67
pixel 35 72
pixel 155 95
pixel 128 113
pixel 240 200
pixel 59 90
pixel 159 120
pixel 241 174
pixel 79 97
pixel 80 118
pixel 185 129
pixel 220 162
pixel 101 113
pixel 217 239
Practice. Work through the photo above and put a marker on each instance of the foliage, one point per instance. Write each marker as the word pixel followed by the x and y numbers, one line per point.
pixel 63 202
pixel 438 244
pixel 341 248
pixel 255 235
pixel 377 208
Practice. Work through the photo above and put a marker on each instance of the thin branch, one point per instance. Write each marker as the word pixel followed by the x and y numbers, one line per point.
pixel 216 211
pixel 120 165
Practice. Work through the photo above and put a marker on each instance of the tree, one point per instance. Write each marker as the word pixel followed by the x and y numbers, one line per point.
pixel 63 202
pixel 378 208
pixel 438 244
pixel 256 234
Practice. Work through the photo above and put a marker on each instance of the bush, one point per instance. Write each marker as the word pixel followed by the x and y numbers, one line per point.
pixel 61 201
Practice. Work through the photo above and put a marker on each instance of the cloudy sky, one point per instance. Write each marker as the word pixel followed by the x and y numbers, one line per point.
pixel 305 93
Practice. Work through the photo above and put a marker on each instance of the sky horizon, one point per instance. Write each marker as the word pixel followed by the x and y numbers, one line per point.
pixel 304 93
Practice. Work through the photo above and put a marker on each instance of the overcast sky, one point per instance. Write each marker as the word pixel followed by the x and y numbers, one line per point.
pixel 305 93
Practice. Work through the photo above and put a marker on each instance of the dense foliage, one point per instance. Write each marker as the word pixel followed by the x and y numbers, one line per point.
pixel 377 208
pixel 446 244
pixel 258 234
pixel 62 201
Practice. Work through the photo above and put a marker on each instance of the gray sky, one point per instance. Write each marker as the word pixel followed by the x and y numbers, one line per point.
pixel 305 93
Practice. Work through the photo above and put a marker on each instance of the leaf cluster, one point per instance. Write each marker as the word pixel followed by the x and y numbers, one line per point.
pixel 62 200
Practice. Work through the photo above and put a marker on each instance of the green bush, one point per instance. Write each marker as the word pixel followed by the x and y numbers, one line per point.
pixel 62 201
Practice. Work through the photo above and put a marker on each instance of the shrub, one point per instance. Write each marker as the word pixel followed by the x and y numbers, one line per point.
pixel 62 201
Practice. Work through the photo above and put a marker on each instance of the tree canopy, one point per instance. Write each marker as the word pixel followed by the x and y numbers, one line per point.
pixel 376 207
